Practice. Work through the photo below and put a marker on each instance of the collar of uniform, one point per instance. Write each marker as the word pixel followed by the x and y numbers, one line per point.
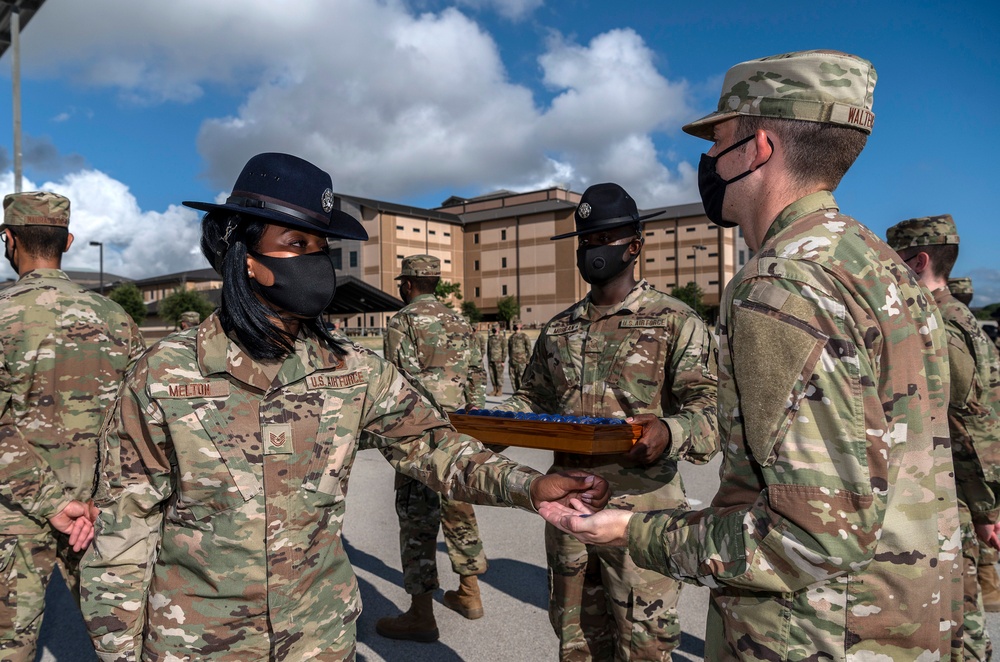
pixel 423 297
pixel 814 202
pixel 631 303
pixel 217 353
pixel 941 296
pixel 45 273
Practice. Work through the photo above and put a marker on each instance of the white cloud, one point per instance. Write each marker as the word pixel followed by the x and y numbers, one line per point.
pixel 512 9
pixel 391 102
pixel 986 285
pixel 137 243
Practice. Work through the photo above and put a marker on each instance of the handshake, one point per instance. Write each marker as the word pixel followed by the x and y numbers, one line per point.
pixel 76 520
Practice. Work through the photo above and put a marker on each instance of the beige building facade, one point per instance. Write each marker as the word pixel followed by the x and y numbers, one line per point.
pixel 498 245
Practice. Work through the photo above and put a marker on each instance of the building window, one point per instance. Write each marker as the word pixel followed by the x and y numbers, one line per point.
pixel 503 263
pixel 649 233
pixel 669 232
pixel 503 290
pixel 432 232
pixel 417 230
pixel 447 261
pixel 447 234
pixel 475 238
pixel 713 255
pixel 477 292
pixel 399 227
pixel 670 258
pixel 670 285
pixel 743 257
pixel 691 229
pixel 649 260
pixel 475 265
pixel 713 282
pixel 353 257
pixel 503 235
pixel 336 256
pixel 527 310
pixel 399 257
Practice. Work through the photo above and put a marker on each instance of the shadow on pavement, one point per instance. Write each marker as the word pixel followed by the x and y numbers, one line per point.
pixel 63 635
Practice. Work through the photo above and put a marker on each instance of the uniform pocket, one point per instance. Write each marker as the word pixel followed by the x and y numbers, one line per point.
pixel 637 371
pixel 8 584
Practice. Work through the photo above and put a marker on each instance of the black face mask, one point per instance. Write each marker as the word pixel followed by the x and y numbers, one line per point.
pixel 713 187
pixel 8 252
pixel 304 285
pixel 599 264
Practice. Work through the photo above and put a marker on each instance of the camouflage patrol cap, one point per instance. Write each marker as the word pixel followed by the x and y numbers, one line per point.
pixel 960 285
pixel 420 265
pixel 35 208
pixel 191 317
pixel 815 86
pixel 924 231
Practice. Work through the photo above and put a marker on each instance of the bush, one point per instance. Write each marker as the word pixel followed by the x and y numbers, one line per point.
pixel 129 297
pixel 180 301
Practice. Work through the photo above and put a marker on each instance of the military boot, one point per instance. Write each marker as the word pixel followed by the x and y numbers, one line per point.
pixel 989 584
pixel 417 624
pixel 465 600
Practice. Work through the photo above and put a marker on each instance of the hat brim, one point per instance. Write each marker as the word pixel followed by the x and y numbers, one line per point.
pixel 610 226
pixel 343 225
pixel 703 128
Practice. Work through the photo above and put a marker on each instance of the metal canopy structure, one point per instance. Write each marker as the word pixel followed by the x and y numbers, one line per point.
pixel 356 296
pixel 25 8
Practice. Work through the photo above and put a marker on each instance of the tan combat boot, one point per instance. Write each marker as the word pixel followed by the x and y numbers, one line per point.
pixel 989 584
pixel 465 600
pixel 417 624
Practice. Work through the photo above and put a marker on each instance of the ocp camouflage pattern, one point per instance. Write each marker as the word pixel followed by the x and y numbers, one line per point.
pixel 519 348
pixel 834 534
pixel 438 352
pixel 65 351
pixel 222 488
pixel 648 354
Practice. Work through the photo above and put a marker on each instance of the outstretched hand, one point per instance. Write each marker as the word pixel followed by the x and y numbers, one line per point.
pixel 571 484
pixel 654 440
pixel 989 534
pixel 77 521
pixel 607 527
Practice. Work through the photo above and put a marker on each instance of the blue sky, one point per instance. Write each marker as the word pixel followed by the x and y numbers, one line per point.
pixel 131 107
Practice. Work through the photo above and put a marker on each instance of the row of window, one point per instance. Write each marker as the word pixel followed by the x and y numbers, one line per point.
pixel 337 257
pixel 401 228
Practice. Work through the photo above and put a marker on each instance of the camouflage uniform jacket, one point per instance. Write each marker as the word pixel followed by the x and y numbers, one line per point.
pixel 649 354
pixel 974 410
pixel 520 348
pixel 222 488
pixel 497 348
pixel 438 352
pixel 834 534
pixel 65 351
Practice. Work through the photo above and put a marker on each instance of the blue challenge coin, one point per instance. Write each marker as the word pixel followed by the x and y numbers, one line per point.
pixel 460 411
pixel 508 414
pixel 559 419
pixel 545 418
pixel 522 416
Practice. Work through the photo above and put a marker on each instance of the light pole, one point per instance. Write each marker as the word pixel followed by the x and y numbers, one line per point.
pixel 694 256
pixel 100 244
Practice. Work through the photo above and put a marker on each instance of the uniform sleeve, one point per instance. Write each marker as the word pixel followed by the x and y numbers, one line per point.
pixel 133 483
pixel 26 480
pixel 803 472
pixel 475 383
pixel 420 443
pixel 974 419
pixel 694 433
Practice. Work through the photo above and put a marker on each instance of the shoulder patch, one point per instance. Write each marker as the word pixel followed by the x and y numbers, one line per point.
pixel 192 389
pixel 334 380
pixel 779 299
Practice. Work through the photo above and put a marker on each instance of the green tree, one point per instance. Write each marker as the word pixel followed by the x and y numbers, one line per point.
pixel 986 312
pixel 690 294
pixel 445 290
pixel 129 297
pixel 508 309
pixel 471 312
pixel 180 301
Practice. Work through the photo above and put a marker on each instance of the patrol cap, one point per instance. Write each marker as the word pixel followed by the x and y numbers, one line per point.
pixel 35 208
pixel 960 286
pixel 191 317
pixel 923 231
pixel 290 191
pixel 420 265
pixel 816 86
pixel 603 207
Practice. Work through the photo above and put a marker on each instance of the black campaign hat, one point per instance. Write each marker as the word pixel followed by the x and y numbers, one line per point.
pixel 289 191
pixel 602 207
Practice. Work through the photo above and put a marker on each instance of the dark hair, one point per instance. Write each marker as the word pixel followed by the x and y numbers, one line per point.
pixel 816 152
pixel 423 284
pixel 943 257
pixel 44 241
pixel 225 239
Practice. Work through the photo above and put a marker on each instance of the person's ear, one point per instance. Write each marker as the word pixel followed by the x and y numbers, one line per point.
pixel 763 147
pixel 69 242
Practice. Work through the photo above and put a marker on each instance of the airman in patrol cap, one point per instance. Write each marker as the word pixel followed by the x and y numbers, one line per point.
pixel 961 289
pixel 66 349
pixel 625 350
pixel 438 352
pixel 190 319
pixel 829 350
pixel 929 245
